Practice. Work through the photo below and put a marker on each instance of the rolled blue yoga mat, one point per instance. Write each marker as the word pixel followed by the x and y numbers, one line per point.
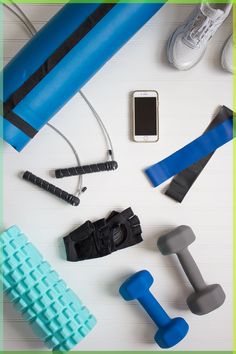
pixel 191 153
pixel 60 59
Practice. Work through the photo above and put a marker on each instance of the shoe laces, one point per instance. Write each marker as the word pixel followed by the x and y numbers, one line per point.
pixel 201 30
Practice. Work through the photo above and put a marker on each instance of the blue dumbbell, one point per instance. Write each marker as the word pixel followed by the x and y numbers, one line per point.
pixel 171 331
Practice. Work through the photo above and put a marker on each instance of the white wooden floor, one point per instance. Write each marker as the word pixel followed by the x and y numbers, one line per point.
pixel 188 101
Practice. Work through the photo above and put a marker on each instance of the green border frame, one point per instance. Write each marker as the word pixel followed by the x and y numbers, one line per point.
pixel 181 2
pixel 1 170
pixel 234 177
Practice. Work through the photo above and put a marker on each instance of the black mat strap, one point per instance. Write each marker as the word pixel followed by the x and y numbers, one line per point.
pixel 182 182
pixel 20 123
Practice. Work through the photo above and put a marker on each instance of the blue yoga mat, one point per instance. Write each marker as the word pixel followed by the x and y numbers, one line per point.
pixel 102 28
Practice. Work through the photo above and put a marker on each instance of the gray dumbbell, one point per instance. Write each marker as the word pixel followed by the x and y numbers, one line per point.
pixel 206 298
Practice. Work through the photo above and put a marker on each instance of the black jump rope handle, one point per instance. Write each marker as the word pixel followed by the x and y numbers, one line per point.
pixel 67 197
pixel 81 170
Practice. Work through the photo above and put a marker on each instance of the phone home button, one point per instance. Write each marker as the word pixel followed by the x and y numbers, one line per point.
pixel 146 138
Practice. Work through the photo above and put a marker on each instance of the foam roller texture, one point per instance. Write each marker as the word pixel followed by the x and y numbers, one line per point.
pixel 54 311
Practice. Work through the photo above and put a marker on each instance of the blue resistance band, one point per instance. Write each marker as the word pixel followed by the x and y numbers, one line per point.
pixel 191 153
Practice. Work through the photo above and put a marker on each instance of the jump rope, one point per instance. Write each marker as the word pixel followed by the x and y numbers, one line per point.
pixel 79 170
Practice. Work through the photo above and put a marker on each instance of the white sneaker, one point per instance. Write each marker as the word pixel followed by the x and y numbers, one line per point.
pixel 227 55
pixel 188 43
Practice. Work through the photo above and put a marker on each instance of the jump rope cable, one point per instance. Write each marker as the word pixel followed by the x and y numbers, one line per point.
pixel 32 30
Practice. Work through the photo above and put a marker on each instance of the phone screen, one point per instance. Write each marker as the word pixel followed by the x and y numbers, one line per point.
pixel 145 116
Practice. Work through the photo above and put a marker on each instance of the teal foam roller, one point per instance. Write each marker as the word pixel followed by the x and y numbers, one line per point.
pixel 54 311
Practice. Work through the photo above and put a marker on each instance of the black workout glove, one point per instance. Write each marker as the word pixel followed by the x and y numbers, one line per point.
pixel 98 239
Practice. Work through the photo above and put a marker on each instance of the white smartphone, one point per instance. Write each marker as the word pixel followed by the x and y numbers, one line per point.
pixel 145 116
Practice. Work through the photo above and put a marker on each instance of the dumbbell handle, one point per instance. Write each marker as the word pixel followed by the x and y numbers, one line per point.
pixel 191 270
pixel 154 309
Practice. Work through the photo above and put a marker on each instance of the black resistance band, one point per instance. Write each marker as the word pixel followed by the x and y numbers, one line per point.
pixel 182 182
pixel 90 22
